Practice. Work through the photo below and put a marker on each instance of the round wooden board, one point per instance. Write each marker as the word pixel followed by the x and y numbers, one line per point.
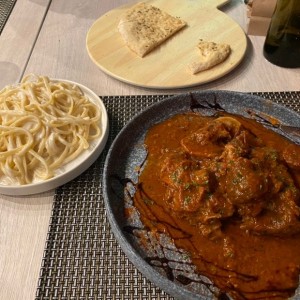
pixel 166 66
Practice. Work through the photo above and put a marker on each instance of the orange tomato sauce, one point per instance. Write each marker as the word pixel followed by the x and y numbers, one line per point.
pixel 226 190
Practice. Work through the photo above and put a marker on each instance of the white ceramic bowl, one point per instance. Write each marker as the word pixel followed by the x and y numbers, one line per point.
pixel 75 167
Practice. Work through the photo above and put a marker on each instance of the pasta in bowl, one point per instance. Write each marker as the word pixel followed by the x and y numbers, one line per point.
pixel 50 132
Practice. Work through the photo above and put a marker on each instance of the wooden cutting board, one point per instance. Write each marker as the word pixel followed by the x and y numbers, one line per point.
pixel 166 66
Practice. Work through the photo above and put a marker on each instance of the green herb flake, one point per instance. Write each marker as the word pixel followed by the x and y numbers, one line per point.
pixel 148 201
pixel 187 199
pixel 187 186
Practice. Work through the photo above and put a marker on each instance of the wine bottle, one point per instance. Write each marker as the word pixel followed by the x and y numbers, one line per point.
pixel 282 44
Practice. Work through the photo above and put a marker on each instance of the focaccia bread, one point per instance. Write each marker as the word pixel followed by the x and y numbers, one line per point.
pixel 144 27
pixel 211 54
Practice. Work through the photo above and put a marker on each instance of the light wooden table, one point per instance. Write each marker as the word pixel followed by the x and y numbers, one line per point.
pixel 48 38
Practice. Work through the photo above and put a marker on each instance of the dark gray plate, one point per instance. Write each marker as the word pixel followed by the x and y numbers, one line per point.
pixel 159 260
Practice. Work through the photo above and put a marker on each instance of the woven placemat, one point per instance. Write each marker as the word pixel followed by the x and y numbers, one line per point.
pixel 6 7
pixel 82 259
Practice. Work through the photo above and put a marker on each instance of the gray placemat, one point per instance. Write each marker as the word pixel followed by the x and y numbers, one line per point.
pixel 6 7
pixel 82 259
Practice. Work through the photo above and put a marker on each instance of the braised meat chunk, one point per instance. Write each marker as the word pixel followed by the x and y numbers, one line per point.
pixel 210 140
pixel 224 171
pixel 263 192
pixel 291 155
pixel 190 193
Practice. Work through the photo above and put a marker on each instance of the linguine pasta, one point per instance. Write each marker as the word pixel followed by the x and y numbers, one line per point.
pixel 44 124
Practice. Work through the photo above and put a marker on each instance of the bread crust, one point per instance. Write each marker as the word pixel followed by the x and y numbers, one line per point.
pixel 211 54
pixel 144 27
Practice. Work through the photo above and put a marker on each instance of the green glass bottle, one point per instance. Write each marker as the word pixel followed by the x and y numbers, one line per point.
pixel 282 44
